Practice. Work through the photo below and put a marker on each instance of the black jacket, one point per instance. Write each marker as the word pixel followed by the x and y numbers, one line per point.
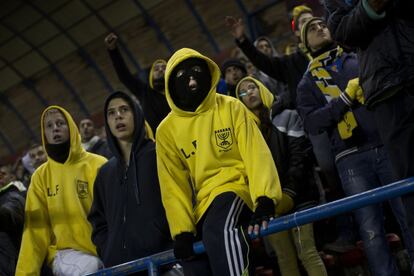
pixel 127 214
pixel 292 153
pixel 101 148
pixel 385 46
pixel 288 69
pixel 11 228
pixel 154 104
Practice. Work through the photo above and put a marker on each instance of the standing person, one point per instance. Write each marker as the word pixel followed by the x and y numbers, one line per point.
pixel 8 178
pixel 214 167
pixel 58 200
pixel 265 46
pixel 291 151
pixel 151 95
pixel 127 192
pixel 287 69
pixel 327 101
pixel 383 33
pixel 92 142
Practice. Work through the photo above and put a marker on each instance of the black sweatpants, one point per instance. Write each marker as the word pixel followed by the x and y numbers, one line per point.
pixel 226 244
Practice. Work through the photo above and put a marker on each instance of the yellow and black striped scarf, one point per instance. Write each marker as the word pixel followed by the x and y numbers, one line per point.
pixel 317 68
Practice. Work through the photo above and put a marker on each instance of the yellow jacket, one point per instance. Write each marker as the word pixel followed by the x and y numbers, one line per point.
pixel 216 149
pixel 57 205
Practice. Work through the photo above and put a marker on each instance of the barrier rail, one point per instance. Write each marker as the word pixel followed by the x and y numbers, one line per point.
pixel 280 224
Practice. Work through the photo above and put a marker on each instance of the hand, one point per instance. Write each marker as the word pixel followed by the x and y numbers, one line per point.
pixel 183 246
pixel 360 96
pixel 111 41
pixel 352 88
pixel 236 27
pixel 378 5
pixel 264 213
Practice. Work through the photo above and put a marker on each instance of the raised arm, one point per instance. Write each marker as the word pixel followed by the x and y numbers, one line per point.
pixel 134 84
pixel 274 67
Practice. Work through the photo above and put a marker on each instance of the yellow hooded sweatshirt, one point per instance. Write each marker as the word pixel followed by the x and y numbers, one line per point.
pixel 57 204
pixel 215 149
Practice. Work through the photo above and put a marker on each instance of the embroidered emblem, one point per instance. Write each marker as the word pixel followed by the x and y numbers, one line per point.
pixel 224 138
pixel 82 188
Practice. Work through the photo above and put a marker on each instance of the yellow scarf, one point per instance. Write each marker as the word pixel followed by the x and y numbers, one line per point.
pixel 317 68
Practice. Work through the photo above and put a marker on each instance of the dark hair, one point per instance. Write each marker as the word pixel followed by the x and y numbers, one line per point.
pixel 265 123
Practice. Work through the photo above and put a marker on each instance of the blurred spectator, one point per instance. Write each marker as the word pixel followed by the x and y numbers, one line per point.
pixel 286 69
pixel 233 70
pixel 58 201
pixel 37 155
pixel 151 95
pixel 92 142
pixel 265 46
pixel 8 178
pixel 361 159
pixel 292 154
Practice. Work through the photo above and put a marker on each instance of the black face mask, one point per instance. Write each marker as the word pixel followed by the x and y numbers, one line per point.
pixel 188 97
pixel 158 84
pixel 58 152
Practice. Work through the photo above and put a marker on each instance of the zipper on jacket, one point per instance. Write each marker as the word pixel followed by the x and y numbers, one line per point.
pixel 124 246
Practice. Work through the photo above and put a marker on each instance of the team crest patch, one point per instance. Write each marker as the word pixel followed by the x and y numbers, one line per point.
pixel 82 188
pixel 224 138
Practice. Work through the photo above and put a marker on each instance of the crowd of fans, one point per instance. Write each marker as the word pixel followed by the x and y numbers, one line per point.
pixel 202 152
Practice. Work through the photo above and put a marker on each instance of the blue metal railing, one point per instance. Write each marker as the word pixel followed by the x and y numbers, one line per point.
pixel 319 212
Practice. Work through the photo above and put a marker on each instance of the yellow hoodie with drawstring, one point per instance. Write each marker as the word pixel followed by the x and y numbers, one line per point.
pixel 57 205
pixel 215 149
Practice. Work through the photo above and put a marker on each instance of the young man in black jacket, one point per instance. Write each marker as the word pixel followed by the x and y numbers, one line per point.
pixel 127 214
pixel 151 95
pixel 328 100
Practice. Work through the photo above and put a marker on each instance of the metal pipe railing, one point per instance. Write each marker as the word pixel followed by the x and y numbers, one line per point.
pixel 319 212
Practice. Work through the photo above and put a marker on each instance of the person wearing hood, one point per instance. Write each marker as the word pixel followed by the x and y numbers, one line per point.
pixel 151 95
pixel 265 46
pixel 56 228
pixel 214 169
pixel 329 99
pixel 292 154
pixel 287 69
pixel 127 214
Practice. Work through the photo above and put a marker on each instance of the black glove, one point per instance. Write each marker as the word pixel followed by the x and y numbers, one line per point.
pixel 183 246
pixel 264 211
